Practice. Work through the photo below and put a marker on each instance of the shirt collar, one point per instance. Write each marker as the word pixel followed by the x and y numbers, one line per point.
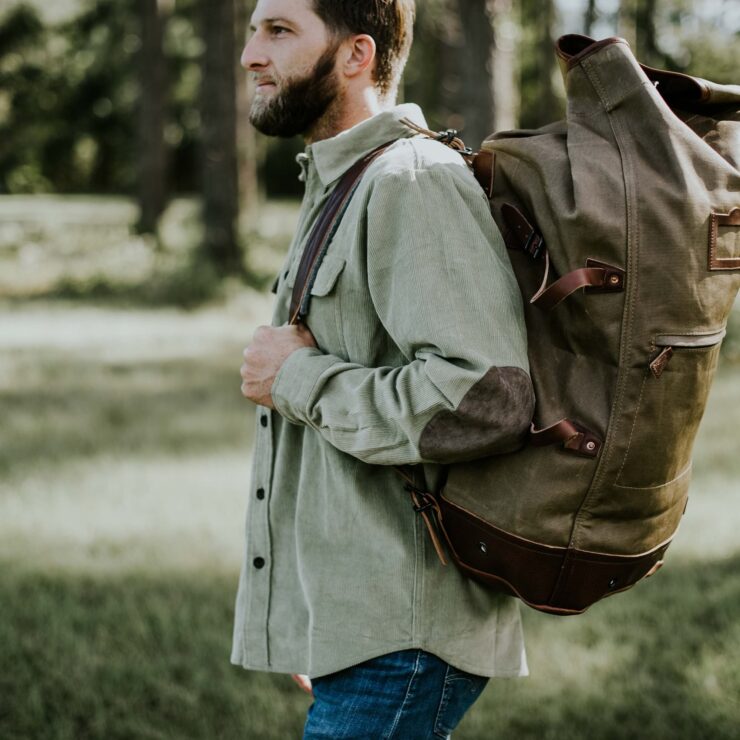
pixel 333 157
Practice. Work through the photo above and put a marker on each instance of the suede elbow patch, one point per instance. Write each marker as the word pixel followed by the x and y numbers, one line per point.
pixel 492 418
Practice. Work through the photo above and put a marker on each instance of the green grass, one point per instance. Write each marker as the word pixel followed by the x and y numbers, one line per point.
pixel 124 462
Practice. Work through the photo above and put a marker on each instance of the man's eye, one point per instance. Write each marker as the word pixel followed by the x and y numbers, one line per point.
pixel 279 30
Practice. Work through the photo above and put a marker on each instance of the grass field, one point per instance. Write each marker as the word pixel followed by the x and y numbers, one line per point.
pixel 124 461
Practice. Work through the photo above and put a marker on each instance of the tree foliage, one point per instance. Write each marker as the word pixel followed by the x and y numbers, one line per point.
pixel 70 90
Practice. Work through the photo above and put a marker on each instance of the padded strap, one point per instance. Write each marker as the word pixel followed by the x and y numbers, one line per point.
pixel 322 232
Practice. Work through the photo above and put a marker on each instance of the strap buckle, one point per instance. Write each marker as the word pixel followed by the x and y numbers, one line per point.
pixel 424 507
pixel 534 244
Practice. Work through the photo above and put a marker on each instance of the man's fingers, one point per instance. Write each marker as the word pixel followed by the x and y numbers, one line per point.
pixel 304 682
pixel 261 330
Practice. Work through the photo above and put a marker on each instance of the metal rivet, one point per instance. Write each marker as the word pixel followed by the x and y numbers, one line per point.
pixel 483 547
pixel 590 446
pixel 615 280
pixel 612 583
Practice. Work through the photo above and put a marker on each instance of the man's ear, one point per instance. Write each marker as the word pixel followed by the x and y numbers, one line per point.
pixel 358 55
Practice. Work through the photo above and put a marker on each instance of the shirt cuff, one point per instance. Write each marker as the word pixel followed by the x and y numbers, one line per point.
pixel 295 380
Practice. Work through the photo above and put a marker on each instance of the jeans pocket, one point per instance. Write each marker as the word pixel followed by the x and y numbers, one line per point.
pixel 459 692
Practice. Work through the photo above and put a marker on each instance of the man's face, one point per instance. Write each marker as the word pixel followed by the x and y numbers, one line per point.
pixel 292 55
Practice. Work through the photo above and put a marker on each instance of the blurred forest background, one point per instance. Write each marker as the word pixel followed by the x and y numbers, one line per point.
pixel 141 221
pixel 144 97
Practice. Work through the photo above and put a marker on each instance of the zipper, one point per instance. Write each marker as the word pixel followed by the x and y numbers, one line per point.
pixel 668 342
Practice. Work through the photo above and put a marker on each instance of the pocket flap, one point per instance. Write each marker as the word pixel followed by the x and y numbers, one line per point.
pixel 331 268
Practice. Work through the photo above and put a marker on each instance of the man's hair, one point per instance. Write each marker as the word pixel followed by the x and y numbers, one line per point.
pixel 389 22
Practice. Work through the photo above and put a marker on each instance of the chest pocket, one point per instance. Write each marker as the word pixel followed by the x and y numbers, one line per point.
pixel 325 315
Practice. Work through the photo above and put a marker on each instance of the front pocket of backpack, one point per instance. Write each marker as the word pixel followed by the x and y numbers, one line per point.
pixel 673 395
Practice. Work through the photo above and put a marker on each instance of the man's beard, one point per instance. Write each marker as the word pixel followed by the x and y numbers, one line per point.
pixel 301 103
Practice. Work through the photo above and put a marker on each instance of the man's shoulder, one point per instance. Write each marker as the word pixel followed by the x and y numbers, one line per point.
pixel 407 158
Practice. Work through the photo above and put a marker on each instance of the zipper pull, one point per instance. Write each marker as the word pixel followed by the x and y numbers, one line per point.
pixel 658 365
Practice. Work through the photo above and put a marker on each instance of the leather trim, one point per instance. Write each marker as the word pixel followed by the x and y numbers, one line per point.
pixel 573 436
pixel 557 580
pixel 716 220
pixel 573 48
pixel 483 168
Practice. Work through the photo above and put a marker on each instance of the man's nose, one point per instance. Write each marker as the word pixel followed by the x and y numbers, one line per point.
pixel 252 56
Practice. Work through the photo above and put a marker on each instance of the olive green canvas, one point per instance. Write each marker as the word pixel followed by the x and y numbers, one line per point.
pixel 643 176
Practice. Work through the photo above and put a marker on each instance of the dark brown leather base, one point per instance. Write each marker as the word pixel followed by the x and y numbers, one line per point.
pixel 557 580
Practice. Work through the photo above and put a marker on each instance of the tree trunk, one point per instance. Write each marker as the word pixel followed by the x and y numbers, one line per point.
pixel 626 21
pixel 219 157
pixel 246 136
pixel 472 90
pixel 547 107
pixel 152 152
pixel 590 17
pixel 505 68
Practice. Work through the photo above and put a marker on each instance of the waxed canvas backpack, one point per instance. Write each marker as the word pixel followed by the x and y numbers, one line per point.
pixel 623 226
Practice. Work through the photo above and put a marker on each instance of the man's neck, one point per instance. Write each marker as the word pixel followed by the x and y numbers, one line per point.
pixel 344 113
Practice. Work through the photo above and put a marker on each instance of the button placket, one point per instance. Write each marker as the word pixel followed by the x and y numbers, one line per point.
pixel 259 562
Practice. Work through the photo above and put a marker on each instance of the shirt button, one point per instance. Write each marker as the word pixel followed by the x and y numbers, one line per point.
pixel 263 420
pixel 258 563
pixel 260 493
pixel 285 275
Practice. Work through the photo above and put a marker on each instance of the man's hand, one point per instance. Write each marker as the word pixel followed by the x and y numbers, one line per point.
pixel 265 355
pixel 303 681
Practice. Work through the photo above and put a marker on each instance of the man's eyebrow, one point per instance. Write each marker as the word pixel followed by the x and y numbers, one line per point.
pixel 271 22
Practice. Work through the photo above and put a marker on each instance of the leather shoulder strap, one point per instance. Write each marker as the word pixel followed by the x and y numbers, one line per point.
pixel 322 232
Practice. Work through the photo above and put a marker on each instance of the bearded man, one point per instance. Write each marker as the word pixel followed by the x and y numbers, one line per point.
pixel 414 354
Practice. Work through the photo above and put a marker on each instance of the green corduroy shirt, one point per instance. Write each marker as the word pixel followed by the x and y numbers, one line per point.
pixel 422 361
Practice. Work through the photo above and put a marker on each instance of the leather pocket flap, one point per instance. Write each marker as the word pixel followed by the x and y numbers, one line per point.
pixel 331 268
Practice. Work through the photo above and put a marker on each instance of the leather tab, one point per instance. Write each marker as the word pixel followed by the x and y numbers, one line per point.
pixel 596 275
pixel 658 365
pixel 483 164
pixel 573 436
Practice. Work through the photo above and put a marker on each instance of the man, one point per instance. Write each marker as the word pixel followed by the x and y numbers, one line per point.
pixel 414 354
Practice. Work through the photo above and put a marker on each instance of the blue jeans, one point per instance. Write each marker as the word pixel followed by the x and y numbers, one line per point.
pixel 407 695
